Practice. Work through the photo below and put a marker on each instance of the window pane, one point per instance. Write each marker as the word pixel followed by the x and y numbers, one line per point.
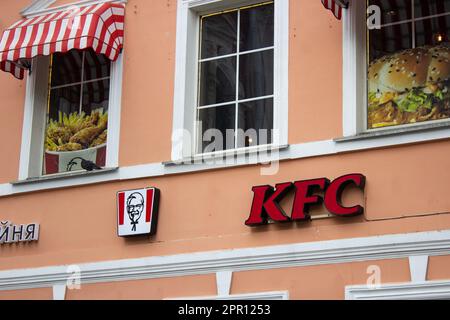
pixel 65 100
pixel 219 35
pixel 74 137
pixel 415 90
pixel 425 8
pixel 96 96
pixel 220 119
pixel 66 68
pixel 256 115
pixel 389 40
pixel 256 74
pixel 433 31
pixel 393 11
pixel 257 27
pixel 218 81
pixel 96 66
pixel 413 86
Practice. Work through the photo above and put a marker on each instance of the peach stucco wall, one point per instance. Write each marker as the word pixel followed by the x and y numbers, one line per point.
pixel 302 283
pixel 12 97
pixel 206 211
pixel 407 186
pixel 28 294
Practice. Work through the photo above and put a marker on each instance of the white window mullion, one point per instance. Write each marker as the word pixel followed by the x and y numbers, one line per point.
pixel 82 82
pixel 238 49
pixel 413 22
pixel 235 54
pixel 198 130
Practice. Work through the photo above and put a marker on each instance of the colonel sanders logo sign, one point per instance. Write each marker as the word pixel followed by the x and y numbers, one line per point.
pixel 137 212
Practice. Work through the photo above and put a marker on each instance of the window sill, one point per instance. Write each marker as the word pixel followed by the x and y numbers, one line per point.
pixel 395 132
pixel 63 176
pixel 202 158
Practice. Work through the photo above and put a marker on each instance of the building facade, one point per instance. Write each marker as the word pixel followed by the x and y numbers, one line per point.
pixel 224 149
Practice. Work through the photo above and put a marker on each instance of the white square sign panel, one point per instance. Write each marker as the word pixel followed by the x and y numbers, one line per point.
pixel 137 212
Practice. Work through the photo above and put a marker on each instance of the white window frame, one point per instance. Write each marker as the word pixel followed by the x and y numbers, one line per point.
pixel 426 290
pixel 186 70
pixel 355 77
pixel 264 296
pixel 33 131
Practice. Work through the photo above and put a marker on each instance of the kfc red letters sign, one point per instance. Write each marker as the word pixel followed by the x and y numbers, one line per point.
pixel 266 199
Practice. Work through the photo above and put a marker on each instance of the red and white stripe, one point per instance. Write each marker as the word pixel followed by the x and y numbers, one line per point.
pixel 99 26
pixel 335 6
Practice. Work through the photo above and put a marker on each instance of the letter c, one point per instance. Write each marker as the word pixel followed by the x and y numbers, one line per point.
pixel 334 194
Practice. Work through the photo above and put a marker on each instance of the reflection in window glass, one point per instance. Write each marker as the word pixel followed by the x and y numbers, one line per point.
pixel 95 96
pixel 256 74
pixel 426 8
pixel 96 66
pixel 393 11
pixel 219 35
pixel 215 123
pixel 65 100
pixel 432 31
pixel 257 116
pixel 69 68
pixel 409 66
pixel 77 111
pixel 389 40
pixel 256 28
pixel 236 75
pixel 218 81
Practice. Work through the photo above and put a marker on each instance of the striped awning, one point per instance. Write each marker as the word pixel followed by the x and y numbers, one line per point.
pixel 336 6
pixel 99 26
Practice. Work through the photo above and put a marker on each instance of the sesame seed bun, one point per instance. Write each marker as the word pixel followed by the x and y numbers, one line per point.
pixel 405 70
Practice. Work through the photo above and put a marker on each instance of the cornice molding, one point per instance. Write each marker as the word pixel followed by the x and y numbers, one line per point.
pixel 436 243
pixel 40 7
pixel 36 5
pixel 431 290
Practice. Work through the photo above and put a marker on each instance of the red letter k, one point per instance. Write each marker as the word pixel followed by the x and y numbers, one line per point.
pixel 266 204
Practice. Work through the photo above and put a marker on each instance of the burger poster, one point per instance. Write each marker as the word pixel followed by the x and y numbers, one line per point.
pixel 408 77
pixel 410 86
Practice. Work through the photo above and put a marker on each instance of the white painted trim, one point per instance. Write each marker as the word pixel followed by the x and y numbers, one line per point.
pixel 418 267
pixel 114 112
pixel 432 290
pixel 435 243
pixel 59 292
pixel 35 6
pixel 223 282
pixel 353 68
pixel 298 151
pixel 30 163
pixel 186 73
pixel 281 73
pixel 275 295
pixel 180 136
pixel 27 125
